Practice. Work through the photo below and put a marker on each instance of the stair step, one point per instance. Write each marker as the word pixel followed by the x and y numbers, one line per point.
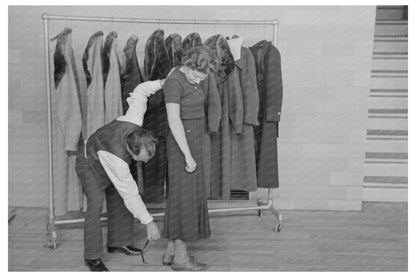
pixel 386 167
pixel 383 73
pixel 390 45
pixel 398 38
pixel 390 28
pixel 390 13
pixel 387 143
pixel 389 56
pixel 386 122
pixel 388 102
pixel 390 64
pixel 388 93
pixel 389 193
pixel 389 83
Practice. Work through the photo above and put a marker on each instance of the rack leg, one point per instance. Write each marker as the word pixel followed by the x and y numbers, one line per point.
pixel 260 203
pixel 52 234
pixel 279 218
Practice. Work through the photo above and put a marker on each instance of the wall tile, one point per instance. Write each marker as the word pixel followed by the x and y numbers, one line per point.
pixel 345 205
pixel 354 193
pixel 345 179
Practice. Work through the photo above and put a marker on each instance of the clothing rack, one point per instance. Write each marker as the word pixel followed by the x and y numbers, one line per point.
pixel 46 18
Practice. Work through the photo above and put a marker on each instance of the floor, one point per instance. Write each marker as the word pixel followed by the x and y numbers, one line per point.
pixel 375 239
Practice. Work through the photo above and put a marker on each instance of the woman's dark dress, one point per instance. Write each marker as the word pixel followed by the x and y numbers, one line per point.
pixel 186 215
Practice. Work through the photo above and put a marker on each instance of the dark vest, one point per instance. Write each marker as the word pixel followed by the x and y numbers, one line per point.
pixel 112 138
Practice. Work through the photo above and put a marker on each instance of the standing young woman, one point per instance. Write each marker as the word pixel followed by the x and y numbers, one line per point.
pixel 186 216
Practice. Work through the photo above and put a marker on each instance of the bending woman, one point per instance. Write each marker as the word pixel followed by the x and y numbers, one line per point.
pixel 186 216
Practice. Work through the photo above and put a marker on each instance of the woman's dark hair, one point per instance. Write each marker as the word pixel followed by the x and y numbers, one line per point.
pixel 142 138
pixel 200 58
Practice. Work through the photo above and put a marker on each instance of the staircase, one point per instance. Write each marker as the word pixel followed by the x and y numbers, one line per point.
pixel 386 168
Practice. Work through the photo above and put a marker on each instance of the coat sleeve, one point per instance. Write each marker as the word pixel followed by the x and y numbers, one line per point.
pixel 68 108
pixel 274 86
pixel 235 102
pixel 251 93
pixel 212 103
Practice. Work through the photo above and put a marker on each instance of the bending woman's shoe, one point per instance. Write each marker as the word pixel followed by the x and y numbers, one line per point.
pixel 189 266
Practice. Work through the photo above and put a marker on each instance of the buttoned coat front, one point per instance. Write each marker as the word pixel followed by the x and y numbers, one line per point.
pixel 269 84
pixel 243 160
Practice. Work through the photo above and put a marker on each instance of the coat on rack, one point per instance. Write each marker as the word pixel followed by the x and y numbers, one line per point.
pixel 219 46
pixel 67 120
pixel 232 117
pixel 269 84
pixel 156 66
pixel 92 63
pixel 112 81
pixel 131 76
pixel 213 118
pixel 173 44
pixel 243 157
pixel 190 41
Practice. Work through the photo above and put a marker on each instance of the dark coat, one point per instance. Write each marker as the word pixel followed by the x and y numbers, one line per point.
pixel 190 41
pixel 232 117
pixel 92 63
pixel 131 76
pixel 243 159
pixel 269 84
pixel 156 66
pixel 212 103
pixel 112 81
pixel 219 46
pixel 173 44
pixel 156 59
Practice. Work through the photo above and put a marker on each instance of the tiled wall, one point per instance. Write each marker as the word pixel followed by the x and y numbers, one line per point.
pixel 326 62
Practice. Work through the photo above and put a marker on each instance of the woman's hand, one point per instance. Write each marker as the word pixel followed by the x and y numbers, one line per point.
pixel 190 164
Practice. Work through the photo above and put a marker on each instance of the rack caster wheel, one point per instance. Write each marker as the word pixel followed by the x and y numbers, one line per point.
pixel 51 245
pixel 278 228
pixel 52 240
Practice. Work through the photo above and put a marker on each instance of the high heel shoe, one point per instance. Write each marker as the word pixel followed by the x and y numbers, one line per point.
pixel 168 260
pixel 188 266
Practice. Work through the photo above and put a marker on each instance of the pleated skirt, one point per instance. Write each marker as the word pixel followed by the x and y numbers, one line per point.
pixel 186 215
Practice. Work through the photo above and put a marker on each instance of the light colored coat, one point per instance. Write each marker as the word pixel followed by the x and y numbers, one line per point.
pixel 112 86
pixel 95 83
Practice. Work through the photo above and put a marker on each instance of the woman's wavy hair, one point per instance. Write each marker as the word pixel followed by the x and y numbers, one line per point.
pixel 202 59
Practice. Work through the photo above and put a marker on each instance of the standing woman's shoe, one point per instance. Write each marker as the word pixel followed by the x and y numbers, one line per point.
pixel 189 266
pixel 168 259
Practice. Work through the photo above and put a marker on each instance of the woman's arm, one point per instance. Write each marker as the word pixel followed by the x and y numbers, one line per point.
pixel 178 132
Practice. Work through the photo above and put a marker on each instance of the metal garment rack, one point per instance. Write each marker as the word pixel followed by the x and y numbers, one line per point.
pixel 46 18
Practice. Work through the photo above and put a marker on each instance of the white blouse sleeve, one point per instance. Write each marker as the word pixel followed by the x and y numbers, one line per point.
pixel 119 173
pixel 137 102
